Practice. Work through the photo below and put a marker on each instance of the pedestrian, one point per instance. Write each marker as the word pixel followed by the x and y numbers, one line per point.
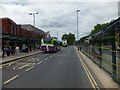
pixel 118 48
pixel 11 50
pixel 17 49
pixel 4 51
pixel 26 48
pixel 8 51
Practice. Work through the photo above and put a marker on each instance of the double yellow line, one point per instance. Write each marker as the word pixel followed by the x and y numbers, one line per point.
pixel 90 77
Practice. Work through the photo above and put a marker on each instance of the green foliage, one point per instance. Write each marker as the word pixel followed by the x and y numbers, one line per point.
pixel 69 37
pixel 98 27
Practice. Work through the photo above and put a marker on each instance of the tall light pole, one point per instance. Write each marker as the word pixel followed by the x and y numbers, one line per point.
pixel 33 17
pixel 77 25
pixel 57 35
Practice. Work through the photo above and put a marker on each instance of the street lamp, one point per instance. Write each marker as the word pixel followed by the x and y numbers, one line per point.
pixel 33 17
pixel 77 25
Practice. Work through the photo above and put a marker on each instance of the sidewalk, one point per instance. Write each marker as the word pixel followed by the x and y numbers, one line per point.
pixel 19 56
pixel 101 74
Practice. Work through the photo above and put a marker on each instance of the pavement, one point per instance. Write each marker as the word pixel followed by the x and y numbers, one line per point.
pixel 103 76
pixel 14 57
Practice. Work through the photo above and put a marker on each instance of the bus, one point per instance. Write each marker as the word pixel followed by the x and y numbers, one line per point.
pixel 50 44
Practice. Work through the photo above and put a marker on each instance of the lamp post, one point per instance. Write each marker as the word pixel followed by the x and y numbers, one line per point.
pixel 33 17
pixel 77 25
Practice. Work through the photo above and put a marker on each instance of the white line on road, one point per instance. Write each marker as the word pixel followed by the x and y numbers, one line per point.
pixel 46 59
pixel 51 56
pixel 11 79
pixel 29 68
pixel 40 62
pixel 23 66
pixel 11 62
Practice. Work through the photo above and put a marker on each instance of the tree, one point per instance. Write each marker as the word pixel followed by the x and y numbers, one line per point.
pixel 98 27
pixel 64 36
pixel 69 37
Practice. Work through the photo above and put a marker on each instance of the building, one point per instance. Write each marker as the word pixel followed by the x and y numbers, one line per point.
pixel 22 35
pixel 35 34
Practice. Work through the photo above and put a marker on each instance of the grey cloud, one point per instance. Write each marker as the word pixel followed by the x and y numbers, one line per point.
pixel 53 23
pixel 62 17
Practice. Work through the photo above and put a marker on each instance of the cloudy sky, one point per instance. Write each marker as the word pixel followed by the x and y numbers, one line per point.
pixel 60 16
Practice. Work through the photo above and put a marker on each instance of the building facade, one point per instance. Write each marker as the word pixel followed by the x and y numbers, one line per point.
pixel 23 36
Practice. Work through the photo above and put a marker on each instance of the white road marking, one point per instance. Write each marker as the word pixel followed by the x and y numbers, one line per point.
pixel 11 79
pixel 33 63
pixel 11 62
pixel 33 60
pixel 23 66
pixel 51 56
pixel 46 59
pixel 14 68
pixel 29 68
pixel 40 62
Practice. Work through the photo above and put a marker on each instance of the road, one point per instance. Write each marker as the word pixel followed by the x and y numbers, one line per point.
pixel 52 70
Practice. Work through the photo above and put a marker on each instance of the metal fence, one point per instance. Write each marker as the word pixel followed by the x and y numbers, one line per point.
pixel 103 48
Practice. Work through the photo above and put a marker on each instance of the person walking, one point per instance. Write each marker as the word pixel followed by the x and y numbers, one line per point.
pixel 8 51
pixel 30 48
pixel 17 49
pixel 11 50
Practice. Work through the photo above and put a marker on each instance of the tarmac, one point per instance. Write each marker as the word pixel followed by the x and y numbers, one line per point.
pixel 100 73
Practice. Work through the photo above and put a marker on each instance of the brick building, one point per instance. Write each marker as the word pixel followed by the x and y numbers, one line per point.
pixel 22 35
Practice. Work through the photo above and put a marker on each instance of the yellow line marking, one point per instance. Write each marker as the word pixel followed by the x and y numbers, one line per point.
pixel 11 79
pixel 86 72
pixel 90 77
pixel 29 68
